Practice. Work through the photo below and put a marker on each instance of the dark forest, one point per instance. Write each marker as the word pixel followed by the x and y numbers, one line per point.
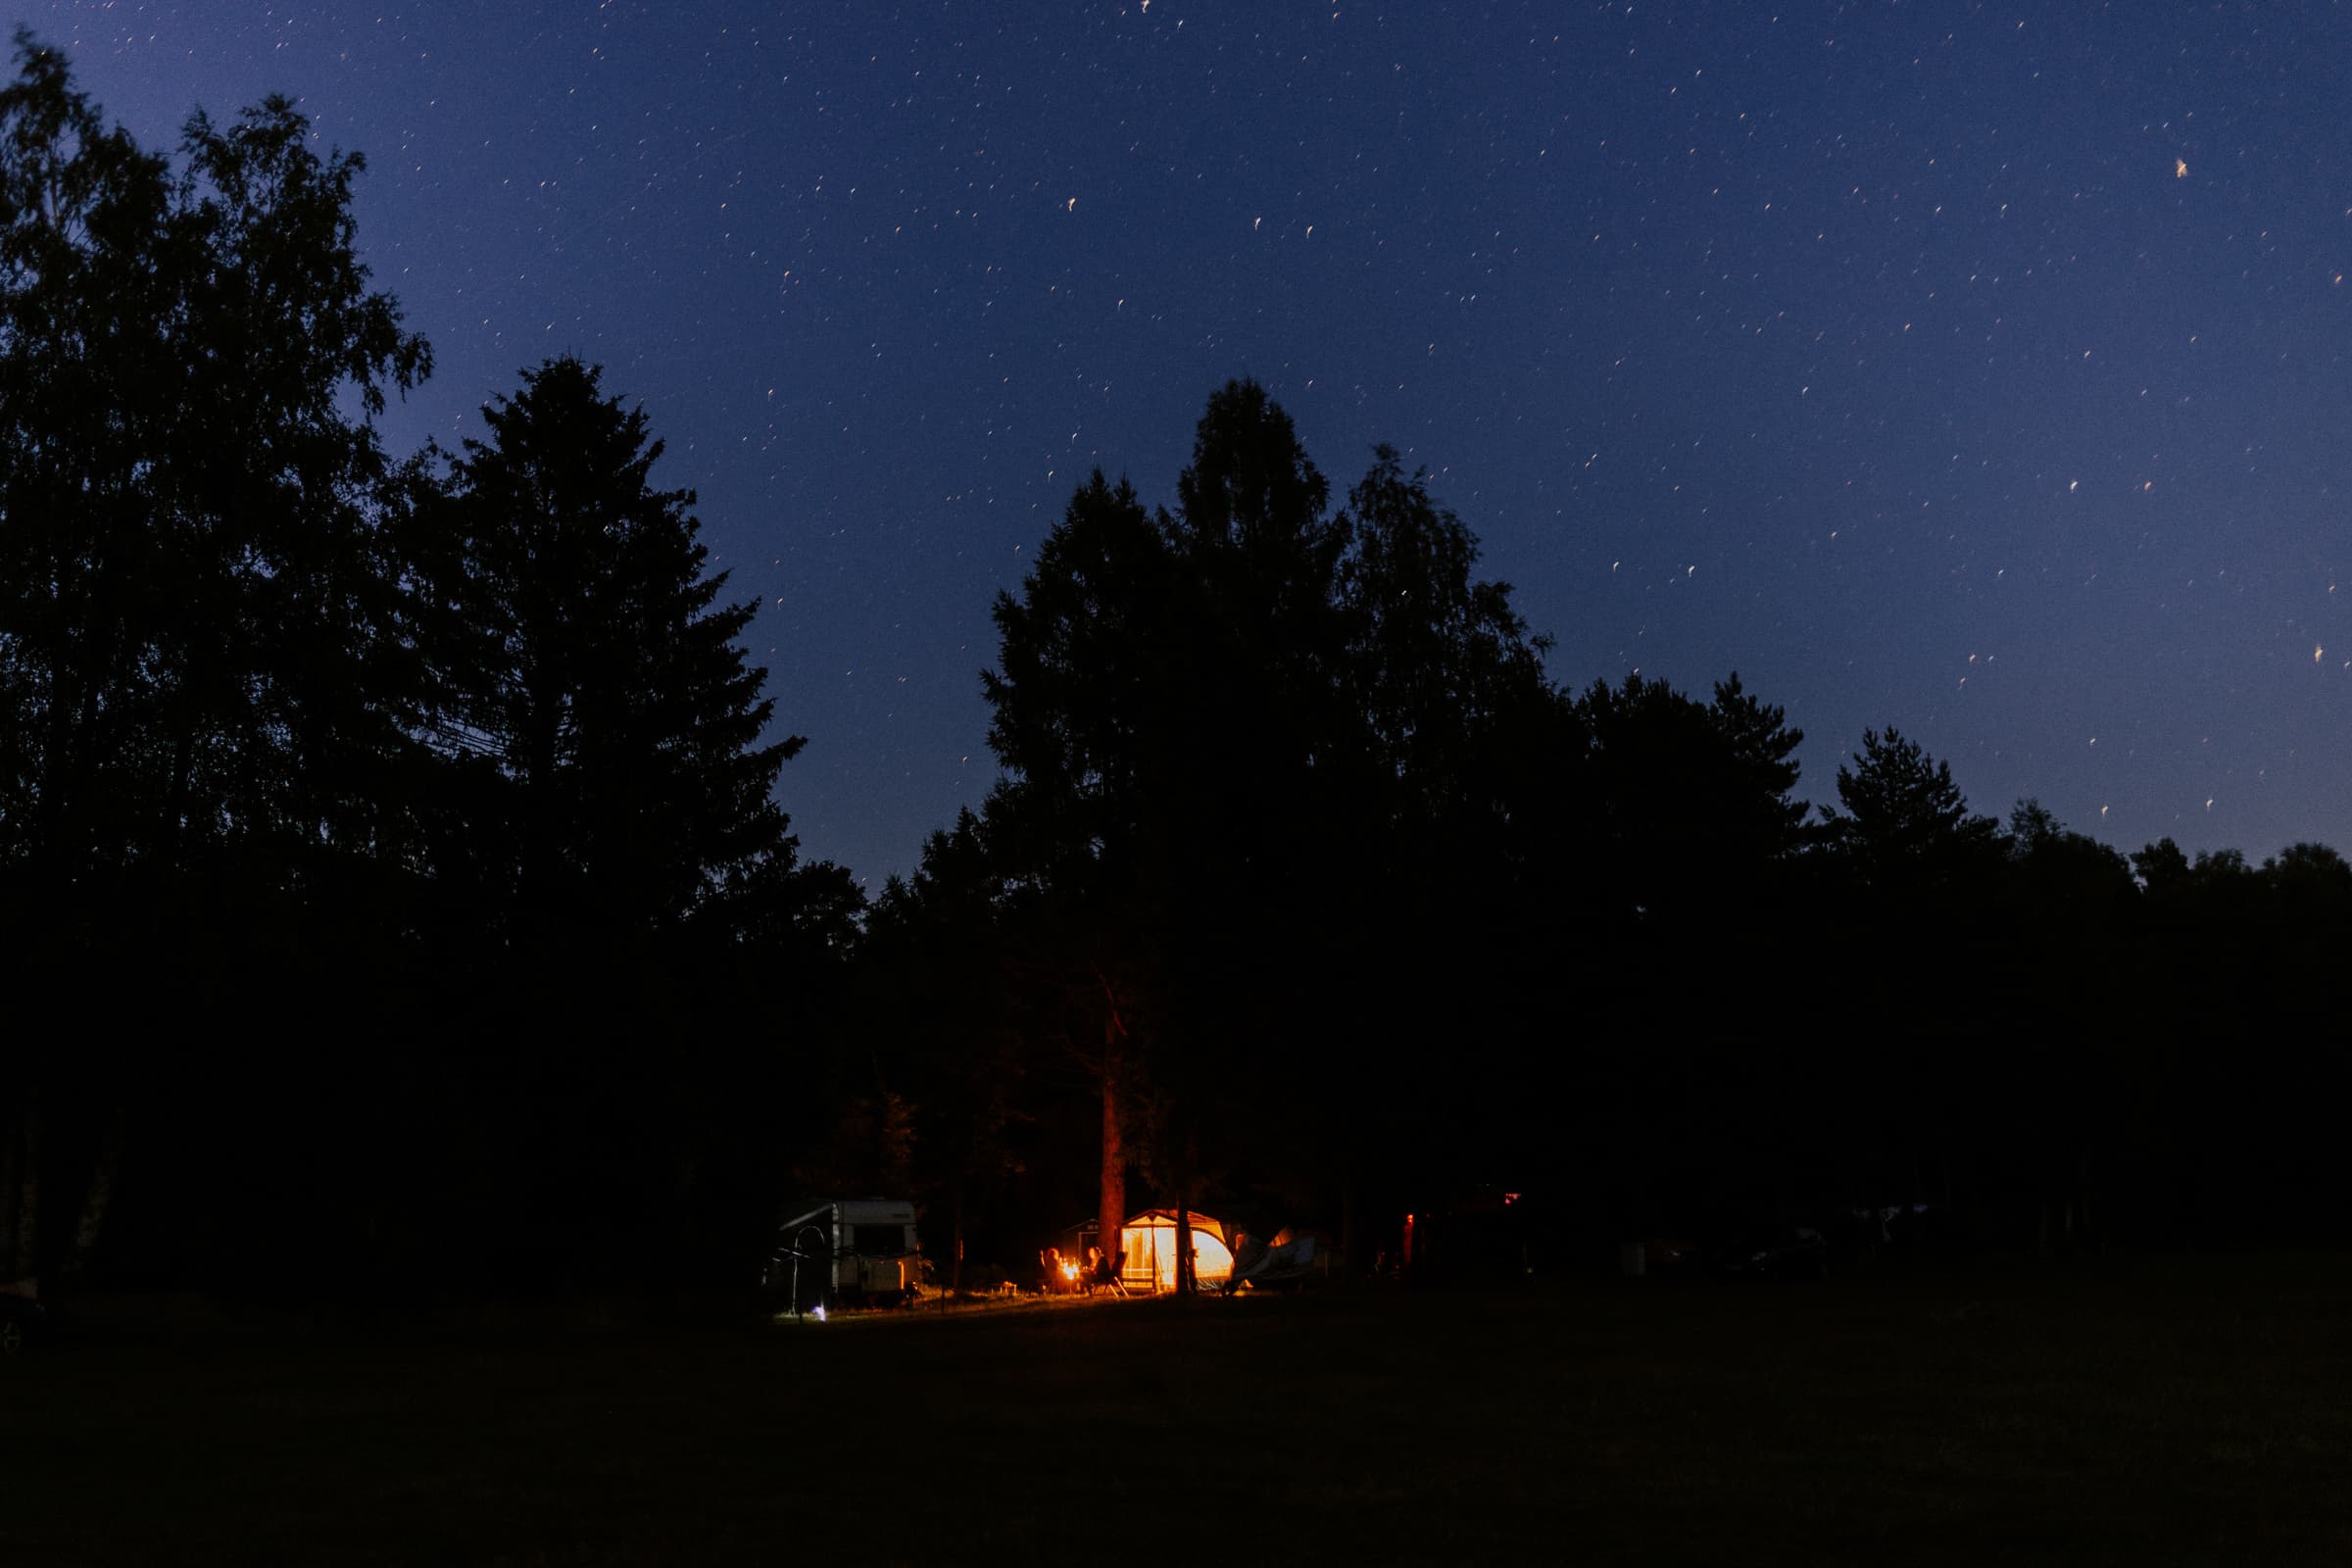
pixel 393 881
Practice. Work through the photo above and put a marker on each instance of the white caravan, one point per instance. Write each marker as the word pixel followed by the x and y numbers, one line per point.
pixel 846 1251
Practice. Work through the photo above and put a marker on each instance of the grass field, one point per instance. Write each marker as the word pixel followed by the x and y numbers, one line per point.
pixel 2114 1412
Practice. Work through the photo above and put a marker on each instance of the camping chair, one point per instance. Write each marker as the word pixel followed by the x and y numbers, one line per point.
pixel 1105 1276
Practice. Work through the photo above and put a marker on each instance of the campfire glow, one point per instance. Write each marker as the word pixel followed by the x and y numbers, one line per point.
pixel 1069 1271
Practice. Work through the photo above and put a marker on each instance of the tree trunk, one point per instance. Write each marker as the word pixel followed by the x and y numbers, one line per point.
pixel 2090 1237
pixel 94 1206
pixel 1188 1273
pixel 9 1169
pixel 1110 1214
pixel 1184 1245
pixel 28 1193
pixel 1110 1191
pixel 955 1261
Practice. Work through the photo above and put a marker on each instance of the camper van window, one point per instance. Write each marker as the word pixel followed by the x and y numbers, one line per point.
pixel 881 1240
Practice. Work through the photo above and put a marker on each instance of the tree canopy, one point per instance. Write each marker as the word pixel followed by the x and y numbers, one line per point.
pixel 323 774
pixel 588 682
pixel 401 839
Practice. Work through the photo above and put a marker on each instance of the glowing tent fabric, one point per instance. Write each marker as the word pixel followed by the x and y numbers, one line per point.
pixel 1151 1242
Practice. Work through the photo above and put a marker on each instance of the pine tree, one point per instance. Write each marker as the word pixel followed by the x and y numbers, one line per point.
pixel 590 686
pixel 1905 825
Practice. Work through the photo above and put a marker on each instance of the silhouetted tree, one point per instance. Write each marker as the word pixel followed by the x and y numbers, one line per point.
pixel 201 674
pixel 88 298
pixel 196 638
pixel 1763 821
pixel 1074 714
pixel 590 681
pixel 617 870
pixel 1171 709
pixel 1441 664
pixel 1690 805
pixel 2162 869
pixel 2068 989
pixel 1464 749
pixel 1905 826
pixel 2311 872
pixel 1078 828
pixel 1252 748
pixel 2067 877
pixel 938 997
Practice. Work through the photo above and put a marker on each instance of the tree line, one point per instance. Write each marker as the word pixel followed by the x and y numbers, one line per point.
pixel 394 883
pixel 389 852
pixel 1305 868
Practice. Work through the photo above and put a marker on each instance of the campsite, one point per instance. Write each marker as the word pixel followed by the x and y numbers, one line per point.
pixel 2101 1411
pixel 829 784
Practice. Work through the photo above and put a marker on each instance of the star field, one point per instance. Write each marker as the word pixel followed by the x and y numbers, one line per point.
pixel 1977 371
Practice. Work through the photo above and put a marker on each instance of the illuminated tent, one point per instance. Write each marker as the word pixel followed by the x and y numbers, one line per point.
pixel 1151 1242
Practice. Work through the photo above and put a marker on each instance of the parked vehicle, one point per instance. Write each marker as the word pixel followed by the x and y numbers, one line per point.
pixel 855 1251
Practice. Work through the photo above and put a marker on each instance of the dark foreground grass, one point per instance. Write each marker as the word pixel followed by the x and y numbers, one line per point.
pixel 2120 1411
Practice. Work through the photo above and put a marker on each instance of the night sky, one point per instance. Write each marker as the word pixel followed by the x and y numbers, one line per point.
pixel 1979 371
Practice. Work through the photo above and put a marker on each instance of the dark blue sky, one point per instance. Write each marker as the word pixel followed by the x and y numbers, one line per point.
pixel 1977 371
